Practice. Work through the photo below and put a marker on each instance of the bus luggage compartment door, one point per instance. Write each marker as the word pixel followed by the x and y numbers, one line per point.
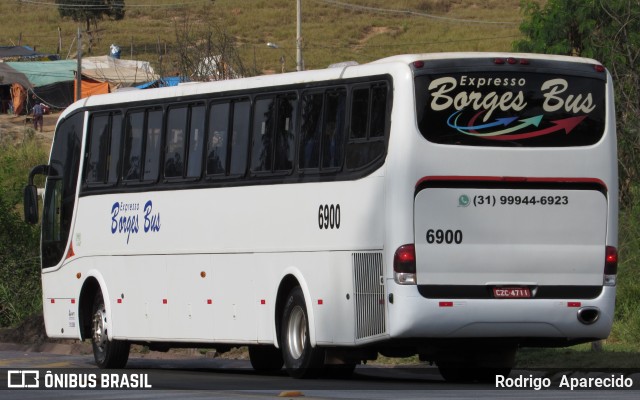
pixel 476 243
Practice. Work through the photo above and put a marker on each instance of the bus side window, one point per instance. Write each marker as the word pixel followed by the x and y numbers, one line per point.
pixel 98 149
pixel 333 132
pixel 240 137
pixel 310 130
pixel 367 126
pixel 152 151
pixel 133 146
pixel 218 138
pixel 285 133
pixel 359 114
pixel 196 142
pixel 263 130
pixel 378 111
pixel 114 149
pixel 175 142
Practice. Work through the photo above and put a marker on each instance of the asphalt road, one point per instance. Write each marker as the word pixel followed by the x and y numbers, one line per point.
pixel 205 378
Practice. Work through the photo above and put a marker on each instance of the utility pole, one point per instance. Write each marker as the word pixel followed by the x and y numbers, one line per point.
pixel 59 41
pixel 79 67
pixel 299 62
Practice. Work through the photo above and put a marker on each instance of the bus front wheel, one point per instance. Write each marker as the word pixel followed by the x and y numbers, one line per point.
pixel 300 359
pixel 107 353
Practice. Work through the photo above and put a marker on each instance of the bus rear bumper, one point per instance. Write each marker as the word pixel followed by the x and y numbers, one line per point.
pixel 413 316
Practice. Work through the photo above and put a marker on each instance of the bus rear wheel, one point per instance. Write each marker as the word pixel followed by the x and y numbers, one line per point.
pixel 300 359
pixel 107 353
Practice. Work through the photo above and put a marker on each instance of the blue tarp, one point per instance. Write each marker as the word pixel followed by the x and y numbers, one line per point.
pixel 164 82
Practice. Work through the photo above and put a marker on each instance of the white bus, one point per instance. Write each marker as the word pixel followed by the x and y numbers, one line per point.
pixel 453 206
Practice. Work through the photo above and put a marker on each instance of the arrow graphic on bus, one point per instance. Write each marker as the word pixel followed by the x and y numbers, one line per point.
pixel 535 121
pixel 566 124
pixel 497 122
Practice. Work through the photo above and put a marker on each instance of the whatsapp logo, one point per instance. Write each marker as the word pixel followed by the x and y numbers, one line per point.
pixel 463 200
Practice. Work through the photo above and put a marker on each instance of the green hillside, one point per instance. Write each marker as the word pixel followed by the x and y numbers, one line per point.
pixel 332 30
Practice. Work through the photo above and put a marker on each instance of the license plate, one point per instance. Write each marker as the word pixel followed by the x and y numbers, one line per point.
pixel 511 293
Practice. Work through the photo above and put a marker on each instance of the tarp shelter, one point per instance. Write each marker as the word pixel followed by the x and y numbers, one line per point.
pixel 42 73
pixel 16 53
pixel 90 87
pixel 52 80
pixel 118 73
pixel 18 98
pixel 14 86
pixel 9 75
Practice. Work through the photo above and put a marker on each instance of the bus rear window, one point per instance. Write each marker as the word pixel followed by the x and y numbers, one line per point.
pixel 511 107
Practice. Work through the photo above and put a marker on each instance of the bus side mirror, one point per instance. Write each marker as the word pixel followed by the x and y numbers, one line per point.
pixel 31 194
pixel 31 204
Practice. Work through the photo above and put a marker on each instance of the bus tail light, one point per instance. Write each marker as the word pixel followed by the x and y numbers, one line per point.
pixel 404 265
pixel 610 266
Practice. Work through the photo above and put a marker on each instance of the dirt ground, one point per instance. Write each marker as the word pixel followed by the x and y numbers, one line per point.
pixel 30 331
pixel 14 128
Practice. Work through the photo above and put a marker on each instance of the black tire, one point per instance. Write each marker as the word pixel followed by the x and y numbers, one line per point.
pixel 107 353
pixel 300 359
pixel 265 358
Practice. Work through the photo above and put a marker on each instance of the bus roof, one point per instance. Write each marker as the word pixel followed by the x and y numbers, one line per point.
pixel 409 58
pixel 290 78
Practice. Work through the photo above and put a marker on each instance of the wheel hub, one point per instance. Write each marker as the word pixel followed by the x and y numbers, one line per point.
pixel 296 332
pixel 100 328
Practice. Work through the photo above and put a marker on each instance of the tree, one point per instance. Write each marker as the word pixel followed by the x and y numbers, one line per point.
pixel 608 31
pixel 205 50
pixel 90 12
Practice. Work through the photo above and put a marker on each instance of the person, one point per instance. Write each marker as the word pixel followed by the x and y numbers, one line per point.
pixel 216 151
pixel 38 112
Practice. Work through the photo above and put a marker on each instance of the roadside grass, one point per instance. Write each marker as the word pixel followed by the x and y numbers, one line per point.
pixel 330 33
pixel 626 327
pixel 20 294
pixel 612 356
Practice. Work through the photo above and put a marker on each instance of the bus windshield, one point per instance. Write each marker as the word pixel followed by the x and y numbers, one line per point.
pixel 527 105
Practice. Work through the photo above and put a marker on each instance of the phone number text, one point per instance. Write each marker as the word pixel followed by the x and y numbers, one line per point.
pixel 491 200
